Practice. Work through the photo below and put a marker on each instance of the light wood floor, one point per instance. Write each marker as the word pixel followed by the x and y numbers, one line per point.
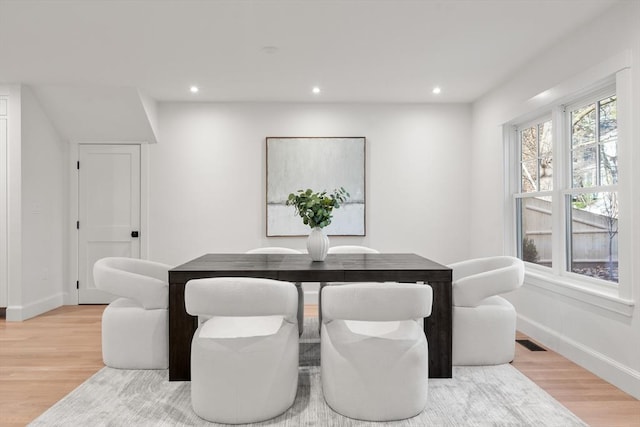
pixel 43 359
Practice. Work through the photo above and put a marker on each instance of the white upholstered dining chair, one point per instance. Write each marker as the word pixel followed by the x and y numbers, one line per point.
pixel 484 324
pixel 340 249
pixel 374 353
pixel 135 327
pixel 244 354
pixel 282 250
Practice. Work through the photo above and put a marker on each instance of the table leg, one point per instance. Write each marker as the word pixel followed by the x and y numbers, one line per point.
pixel 300 308
pixel 438 328
pixel 182 326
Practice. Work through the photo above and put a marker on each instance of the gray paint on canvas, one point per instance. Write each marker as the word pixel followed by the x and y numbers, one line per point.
pixel 320 164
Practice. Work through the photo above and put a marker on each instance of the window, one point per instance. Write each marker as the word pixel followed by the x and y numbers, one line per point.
pixel 533 204
pixel 592 203
pixel 568 220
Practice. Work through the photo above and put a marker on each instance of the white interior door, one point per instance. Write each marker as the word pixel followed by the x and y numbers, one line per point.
pixel 4 238
pixel 109 211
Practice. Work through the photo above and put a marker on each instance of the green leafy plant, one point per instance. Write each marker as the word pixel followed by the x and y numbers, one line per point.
pixel 316 209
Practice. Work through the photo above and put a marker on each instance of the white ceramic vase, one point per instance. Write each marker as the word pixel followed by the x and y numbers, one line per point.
pixel 317 244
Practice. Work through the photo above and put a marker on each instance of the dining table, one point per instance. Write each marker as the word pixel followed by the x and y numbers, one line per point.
pixel 299 268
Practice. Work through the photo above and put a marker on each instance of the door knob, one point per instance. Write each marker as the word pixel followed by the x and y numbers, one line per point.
pixel 134 234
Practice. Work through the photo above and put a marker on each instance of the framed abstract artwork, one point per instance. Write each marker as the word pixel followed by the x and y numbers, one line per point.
pixel 318 163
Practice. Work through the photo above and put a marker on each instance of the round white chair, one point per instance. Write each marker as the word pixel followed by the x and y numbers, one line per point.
pixel 484 324
pixel 135 327
pixel 340 249
pixel 374 354
pixel 244 354
pixel 281 250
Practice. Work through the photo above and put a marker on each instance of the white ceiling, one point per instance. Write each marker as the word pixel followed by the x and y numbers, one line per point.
pixel 356 51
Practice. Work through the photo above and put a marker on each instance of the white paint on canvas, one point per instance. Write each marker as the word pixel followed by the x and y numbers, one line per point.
pixel 319 164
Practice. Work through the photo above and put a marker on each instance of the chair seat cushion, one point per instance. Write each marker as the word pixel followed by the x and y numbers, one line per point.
pixel 361 339
pixel 496 302
pixel 387 330
pixel 240 327
pixel 125 303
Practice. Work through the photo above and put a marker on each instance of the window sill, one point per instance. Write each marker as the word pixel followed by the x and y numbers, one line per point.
pixel 576 290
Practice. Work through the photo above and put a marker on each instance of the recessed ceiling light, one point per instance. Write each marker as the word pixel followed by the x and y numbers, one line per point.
pixel 270 50
pixel 316 90
pixel 436 90
pixel 194 89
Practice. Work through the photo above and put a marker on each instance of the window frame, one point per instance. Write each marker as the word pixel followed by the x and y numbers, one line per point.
pixel 567 189
pixel 617 298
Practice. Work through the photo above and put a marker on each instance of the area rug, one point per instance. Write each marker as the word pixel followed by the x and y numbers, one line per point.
pixel 475 396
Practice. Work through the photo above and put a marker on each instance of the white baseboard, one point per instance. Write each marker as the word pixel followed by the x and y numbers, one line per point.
pixel 618 374
pixel 18 313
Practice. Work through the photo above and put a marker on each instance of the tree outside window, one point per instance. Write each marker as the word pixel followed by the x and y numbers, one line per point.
pixel 593 204
pixel 534 203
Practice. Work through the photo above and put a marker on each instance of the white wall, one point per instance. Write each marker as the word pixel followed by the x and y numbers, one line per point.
pixel 98 113
pixel 603 341
pixel 207 176
pixel 44 204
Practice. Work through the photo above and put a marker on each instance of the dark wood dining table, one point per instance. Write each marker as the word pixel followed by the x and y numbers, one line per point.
pixel 408 268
